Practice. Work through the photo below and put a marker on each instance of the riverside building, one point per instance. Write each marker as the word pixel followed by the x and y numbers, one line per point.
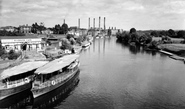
pixel 20 42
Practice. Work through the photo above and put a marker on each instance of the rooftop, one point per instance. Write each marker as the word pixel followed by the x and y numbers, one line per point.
pixel 20 37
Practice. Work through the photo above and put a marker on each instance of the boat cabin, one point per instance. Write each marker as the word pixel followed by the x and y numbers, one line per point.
pixel 19 75
pixel 16 80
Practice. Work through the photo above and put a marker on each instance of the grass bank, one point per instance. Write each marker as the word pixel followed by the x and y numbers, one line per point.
pixel 178 49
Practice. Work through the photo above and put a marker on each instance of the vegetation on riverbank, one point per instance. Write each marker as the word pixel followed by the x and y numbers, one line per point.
pixel 171 41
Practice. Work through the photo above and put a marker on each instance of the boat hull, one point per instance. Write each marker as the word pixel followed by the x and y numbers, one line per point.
pixel 12 91
pixel 40 92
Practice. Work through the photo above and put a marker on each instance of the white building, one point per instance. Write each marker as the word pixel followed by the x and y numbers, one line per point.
pixel 17 42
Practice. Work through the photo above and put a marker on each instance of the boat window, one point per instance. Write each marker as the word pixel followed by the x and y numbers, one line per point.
pixel 38 77
pixel 20 76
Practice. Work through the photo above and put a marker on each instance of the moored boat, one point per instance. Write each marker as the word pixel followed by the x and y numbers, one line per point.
pixel 86 44
pixel 19 78
pixel 55 74
pixel 55 97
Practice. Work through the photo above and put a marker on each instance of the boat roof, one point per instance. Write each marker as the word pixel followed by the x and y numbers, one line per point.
pixel 22 68
pixel 57 64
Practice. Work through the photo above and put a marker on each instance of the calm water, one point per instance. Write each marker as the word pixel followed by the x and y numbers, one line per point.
pixel 115 76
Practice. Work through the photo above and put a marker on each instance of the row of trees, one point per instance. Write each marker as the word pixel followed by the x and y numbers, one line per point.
pixel 60 29
pixel 171 33
pixel 145 37
pixel 9 33
pixel 57 29
pixel 37 28
pixel 133 36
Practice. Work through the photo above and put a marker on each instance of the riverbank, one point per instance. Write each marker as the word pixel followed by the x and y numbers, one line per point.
pixel 175 51
pixel 178 49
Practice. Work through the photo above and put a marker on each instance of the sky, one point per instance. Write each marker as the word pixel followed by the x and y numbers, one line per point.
pixel 122 14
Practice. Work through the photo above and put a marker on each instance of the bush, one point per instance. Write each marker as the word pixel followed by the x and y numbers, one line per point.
pixel 132 30
pixel 13 55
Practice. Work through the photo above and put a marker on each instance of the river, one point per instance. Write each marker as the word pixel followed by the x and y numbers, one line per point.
pixel 116 76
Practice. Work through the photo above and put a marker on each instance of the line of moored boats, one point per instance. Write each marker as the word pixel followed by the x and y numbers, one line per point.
pixel 39 76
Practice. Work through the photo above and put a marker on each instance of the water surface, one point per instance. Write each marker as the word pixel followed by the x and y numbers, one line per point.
pixel 116 76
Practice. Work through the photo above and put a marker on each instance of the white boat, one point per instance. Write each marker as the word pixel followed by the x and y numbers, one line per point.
pixel 14 80
pixel 55 74
pixel 86 44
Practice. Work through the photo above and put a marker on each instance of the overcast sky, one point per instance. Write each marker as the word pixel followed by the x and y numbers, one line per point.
pixel 123 14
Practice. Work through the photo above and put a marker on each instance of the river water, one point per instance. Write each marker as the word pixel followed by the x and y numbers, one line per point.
pixel 116 76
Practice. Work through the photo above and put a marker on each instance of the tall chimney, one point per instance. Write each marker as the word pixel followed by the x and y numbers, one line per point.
pixel 78 23
pixel 99 22
pixel 104 24
pixel 94 23
pixel 89 23
pixel 64 20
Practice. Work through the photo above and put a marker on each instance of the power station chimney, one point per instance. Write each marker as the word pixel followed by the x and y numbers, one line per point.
pixel 89 23
pixel 78 23
pixel 94 23
pixel 99 22
pixel 64 20
pixel 104 24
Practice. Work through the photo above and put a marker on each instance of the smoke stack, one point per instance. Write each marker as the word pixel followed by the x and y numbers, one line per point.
pixel 64 20
pixel 99 22
pixel 78 23
pixel 94 23
pixel 89 23
pixel 104 24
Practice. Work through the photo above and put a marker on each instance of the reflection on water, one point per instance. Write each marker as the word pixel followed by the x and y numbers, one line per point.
pixel 22 100
pixel 117 76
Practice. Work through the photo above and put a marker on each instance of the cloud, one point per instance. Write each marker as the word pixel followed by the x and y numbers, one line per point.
pixel 133 6
pixel 175 7
pixel 119 13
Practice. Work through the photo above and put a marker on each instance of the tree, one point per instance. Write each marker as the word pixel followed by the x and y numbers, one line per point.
pixel 36 27
pixel 171 33
pixel 41 27
pixel 132 30
pixel 9 33
pixel 134 37
pixel 109 32
pixel 64 28
pixel 57 29
pixel 13 55
pixel 2 51
pixel 154 33
pixel 163 33
pixel 66 44
pixel 181 34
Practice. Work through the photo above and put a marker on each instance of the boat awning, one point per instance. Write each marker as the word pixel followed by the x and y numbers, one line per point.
pixel 57 64
pixel 22 68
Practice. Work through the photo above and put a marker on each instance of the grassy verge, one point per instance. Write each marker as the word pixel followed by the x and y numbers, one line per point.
pixel 178 49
